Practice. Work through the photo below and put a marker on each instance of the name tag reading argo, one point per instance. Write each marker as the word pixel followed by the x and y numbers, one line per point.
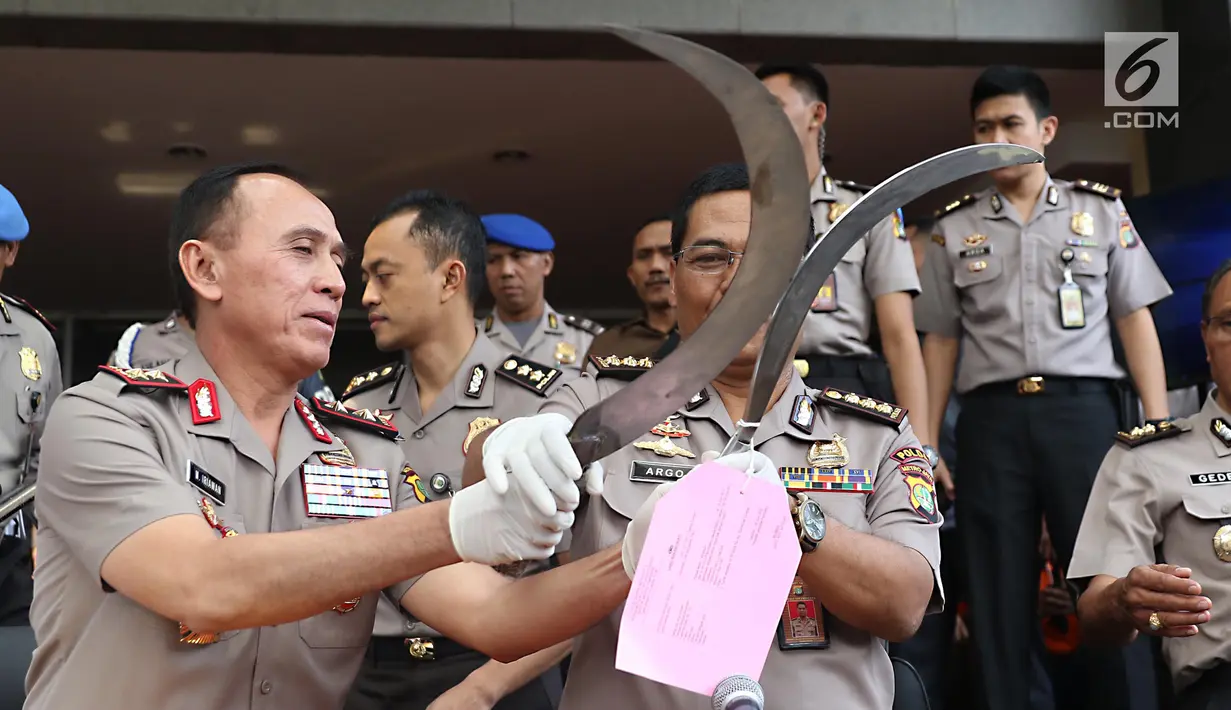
pixel 345 491
pixel 653 472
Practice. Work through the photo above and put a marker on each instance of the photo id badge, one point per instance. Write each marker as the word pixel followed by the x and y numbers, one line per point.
pixel 1072 310
pixel 803 621
pixel 826 300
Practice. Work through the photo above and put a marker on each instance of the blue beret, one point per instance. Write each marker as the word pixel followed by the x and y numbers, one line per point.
pixel 518 232
pixel 13 224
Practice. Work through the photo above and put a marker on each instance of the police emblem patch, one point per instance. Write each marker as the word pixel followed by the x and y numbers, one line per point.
pixel 922 490
pixel 410 478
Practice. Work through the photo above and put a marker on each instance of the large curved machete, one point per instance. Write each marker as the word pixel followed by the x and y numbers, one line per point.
pixel 875 205
pixel 776 242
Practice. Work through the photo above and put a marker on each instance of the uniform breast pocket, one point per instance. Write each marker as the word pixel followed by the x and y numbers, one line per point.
pixel 347 625
pixel 975 271
pixel 1089 262
pixel 31 402
pixel 1208 508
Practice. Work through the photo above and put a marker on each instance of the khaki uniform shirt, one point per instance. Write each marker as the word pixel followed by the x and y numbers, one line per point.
pixel 882 262
pixel 635 338
pixel 561 341
pixel 30 369
pixel 854 673
pixel 485 392
pixel 121 456
pixel 994 281
pixel 1170 493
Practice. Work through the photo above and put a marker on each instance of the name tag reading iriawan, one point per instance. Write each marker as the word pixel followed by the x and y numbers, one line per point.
pixel 345 491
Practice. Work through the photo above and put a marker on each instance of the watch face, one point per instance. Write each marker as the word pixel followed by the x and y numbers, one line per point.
pixel 812 519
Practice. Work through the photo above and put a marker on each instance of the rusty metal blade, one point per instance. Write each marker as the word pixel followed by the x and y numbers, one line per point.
pixel 776 243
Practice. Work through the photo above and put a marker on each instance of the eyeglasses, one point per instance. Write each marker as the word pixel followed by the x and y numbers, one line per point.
pixel 1218 328
pixel 707 260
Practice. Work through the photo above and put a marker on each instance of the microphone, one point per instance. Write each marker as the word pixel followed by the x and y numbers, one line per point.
pixel 739 692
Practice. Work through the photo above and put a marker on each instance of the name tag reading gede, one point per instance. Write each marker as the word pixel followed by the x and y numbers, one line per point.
pixel 345 491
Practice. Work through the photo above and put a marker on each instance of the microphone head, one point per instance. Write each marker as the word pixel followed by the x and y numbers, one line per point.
pixel 738 691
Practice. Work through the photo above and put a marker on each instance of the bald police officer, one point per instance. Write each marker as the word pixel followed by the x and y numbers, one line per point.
pixel 519 260
pixel 1155 542
pixel 423 266
pixel 161 484
pixel 873 574
pixel 147 345
pixel 31 382
pixel 875 282
pixel 1027 278
pixel 650 276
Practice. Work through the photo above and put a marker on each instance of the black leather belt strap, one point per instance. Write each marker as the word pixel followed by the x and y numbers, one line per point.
pixel 1043 386
pixel 390 649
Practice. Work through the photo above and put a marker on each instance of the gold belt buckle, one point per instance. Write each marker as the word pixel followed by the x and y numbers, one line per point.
pixel 421 649
pixel 1030 385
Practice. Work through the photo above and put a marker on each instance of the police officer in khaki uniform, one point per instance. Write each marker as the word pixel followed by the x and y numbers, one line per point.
pixel 873 284
pixel 1027 278
pixel 650 275
pixel 159 485
pixel 519 259
pixel 147 345
pixel 869 578
pixel 30 378
pixel 1163 495
pixel 423 263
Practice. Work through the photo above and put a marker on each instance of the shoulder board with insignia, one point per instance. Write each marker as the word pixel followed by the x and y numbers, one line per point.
pixel 1097 188
pixel 866 407
pixel 529 374
pixel 24 305
pixel 372 378
pixel 1145 434
pixel 373 420
pixel 626 368
pixel 584 324
pixel 851 185
pixel 137 377
pixel 956 205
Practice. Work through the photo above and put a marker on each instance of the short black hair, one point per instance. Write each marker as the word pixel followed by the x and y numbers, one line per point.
pixel 1004 80
pixel 805 78
pixel 445 227
pixel 1212 285
pixel 725 177
pixel 923 225
pixel 660 217
pixel 206 209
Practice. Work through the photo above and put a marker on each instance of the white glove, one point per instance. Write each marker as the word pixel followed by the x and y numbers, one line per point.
pixel 536 451
pixel 754 463
pixel 493 529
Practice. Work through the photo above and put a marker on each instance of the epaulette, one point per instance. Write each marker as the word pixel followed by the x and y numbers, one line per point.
pixel 153 379
pixel 373 420
pixel 627 368
pixel 372 378
pixel 956 205
pixel 852 185
pixel 866 407
pixel 1145 434
pixel 1097 188
pixel 583 324
pixel 24 305
pixel 528 373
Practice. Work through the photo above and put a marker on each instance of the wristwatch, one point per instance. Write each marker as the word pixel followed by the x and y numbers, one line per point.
pixel 809 521
pixel 932 454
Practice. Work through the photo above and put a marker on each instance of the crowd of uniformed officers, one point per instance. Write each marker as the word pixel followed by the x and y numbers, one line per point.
pixel 440 546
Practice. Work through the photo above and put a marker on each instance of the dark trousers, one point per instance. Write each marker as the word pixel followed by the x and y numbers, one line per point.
pixel 1023 457
pixel 863 375
pixel 1212 691
pixel 390 679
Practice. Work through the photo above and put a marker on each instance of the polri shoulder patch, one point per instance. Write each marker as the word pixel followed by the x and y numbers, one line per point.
pixel 24 305
pixel 627 368
pixel 585 324
pixel 865 407
pixel 963 201
pixel 153 379
pixel 373 420
pixel 1145 434
pixel 529 374
pixel 1097 188
pixel 372 378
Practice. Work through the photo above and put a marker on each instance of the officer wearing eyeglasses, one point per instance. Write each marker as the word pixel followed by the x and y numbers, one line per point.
pixel 1163 495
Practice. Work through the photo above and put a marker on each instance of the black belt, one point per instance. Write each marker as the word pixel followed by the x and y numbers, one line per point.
pixel 836 365
pixel 395 649
pixel 1039 385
